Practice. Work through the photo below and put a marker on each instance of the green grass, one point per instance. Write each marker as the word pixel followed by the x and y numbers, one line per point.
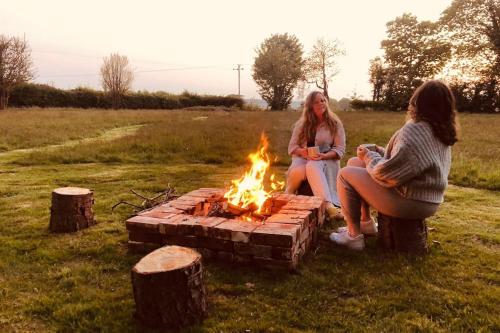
pixel 215 137
pixel 81 282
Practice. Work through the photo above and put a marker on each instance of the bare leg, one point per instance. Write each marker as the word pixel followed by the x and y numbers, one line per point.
pixel 295 175
pixel 355 185
pixel 365 208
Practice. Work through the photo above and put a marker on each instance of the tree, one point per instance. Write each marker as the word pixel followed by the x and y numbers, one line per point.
pixel 473 27
pixel 117 77
pixel 15 66
pixel 414 51
pixel 377 79
pixel 321 65
pixel 277 69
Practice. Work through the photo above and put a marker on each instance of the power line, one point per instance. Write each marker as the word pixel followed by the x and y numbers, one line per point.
pixel 139 71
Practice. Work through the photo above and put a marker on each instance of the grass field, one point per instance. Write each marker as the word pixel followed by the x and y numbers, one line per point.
pixel 81 282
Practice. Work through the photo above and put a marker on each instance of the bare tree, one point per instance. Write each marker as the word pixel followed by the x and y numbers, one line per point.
pixel 16 65
pixel 321 65
pixel 117 77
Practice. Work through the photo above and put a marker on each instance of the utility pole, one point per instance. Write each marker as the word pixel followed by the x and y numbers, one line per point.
pixel 239 69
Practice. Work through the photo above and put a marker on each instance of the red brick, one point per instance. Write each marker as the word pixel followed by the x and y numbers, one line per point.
pixel 166 208
pixel 216 244
pixel 287 219
pixel 189 241
pixel 188 225
pixel 144 236
pixel 248 249
pixel 157 213
pixel 190 198
pixel 144 222
pixel 300 206
pixel 169 226
pixel 275 234
pixel 234 230
pixel 205 225
pixel 188 208
pixel 282 253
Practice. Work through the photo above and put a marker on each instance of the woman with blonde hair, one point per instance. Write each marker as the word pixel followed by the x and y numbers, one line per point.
pixel 407 179
pixel 317 127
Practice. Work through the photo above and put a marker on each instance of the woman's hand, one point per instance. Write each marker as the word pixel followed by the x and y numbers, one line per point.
pixel 319 157
pixel 361 152
pixel 380 150
pixel 301 152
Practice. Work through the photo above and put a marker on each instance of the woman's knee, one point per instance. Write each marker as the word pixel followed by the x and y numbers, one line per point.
pixel 297 173
pixel 347 174
pixel 314 166
pixel 355 162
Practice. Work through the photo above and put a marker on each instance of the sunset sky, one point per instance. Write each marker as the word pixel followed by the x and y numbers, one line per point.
pixel 194 45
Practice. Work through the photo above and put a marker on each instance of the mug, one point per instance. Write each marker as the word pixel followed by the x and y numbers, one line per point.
pixel 313 151
pixel 369 146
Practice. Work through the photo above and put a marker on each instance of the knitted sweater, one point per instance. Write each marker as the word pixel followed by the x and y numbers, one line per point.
pixel 415 162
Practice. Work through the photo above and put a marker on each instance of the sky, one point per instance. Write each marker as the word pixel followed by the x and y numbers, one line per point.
pixel 195 45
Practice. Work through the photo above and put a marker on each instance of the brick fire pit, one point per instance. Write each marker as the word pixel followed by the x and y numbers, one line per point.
pixel 280 240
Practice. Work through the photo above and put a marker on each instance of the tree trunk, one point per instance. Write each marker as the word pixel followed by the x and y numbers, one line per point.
pixel 402 235
pixel 71 209
pixel 168 288
pixel 4 97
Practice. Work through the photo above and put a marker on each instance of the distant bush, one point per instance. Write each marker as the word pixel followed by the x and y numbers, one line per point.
pixel 28 95
pixel 359 104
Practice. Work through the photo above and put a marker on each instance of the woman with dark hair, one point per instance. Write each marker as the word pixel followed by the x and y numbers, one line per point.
pixel 321 128
pixel 407 179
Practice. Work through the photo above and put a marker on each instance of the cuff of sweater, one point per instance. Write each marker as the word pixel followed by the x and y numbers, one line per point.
pixel 370 156
pixel 339 152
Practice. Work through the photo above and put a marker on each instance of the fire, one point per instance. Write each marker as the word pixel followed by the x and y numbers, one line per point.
pixel 249 191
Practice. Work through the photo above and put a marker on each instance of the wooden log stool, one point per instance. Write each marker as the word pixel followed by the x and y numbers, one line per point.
pixel 168 288
pixel 402 235
pixel 71 209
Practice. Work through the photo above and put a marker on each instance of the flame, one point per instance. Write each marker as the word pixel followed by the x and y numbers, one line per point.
pixel 249 190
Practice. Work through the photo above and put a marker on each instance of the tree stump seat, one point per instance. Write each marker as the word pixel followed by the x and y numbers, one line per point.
pixel 168 288
pixel 402 235
pixel 71 209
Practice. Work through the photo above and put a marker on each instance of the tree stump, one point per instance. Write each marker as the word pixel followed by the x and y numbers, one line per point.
pixel 71 209
pixel 168 288
pixel 402 235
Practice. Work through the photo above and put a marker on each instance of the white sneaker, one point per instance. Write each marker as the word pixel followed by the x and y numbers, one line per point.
pixel 353 243
pixel 368 228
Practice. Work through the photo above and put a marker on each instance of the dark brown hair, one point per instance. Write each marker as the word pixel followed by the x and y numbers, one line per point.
pixel 434 103
pixel 309 121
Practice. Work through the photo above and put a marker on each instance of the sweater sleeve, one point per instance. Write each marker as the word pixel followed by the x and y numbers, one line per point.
pixel 339 140
pixel 294 140
pixel 403 164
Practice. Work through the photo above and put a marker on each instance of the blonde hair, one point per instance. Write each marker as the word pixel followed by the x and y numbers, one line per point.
pixel 310 122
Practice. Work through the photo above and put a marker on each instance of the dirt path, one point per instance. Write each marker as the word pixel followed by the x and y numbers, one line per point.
pixel 108 135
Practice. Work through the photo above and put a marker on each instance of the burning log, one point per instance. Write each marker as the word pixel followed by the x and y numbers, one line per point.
pixel 235 210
